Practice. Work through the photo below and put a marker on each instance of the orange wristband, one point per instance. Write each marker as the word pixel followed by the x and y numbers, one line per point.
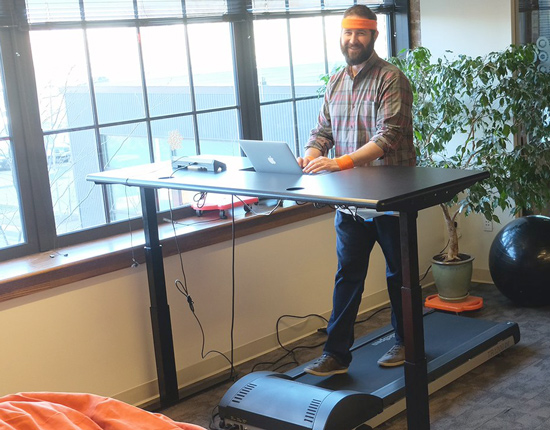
pixel 309 158
pixel 344 162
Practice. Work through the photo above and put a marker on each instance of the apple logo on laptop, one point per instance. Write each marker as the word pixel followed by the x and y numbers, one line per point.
pixel 271 160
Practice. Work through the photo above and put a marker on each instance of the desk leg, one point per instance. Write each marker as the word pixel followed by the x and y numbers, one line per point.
pixel 160 311
pixel 416 371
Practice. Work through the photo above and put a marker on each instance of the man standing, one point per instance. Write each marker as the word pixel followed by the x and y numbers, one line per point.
pixel 366 120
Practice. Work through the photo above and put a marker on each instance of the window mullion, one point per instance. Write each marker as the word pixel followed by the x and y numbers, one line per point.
pixel 192 93
pixel 13 114
pixel 145 95
pixel 293 90
pixel 248 96
pixel 29 149
pixel 95 118
pixel 399 27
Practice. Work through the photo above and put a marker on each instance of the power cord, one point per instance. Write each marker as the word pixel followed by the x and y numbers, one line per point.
pixel 183 288
pixel 291 352
pixel 200 199
pixel 296 317
pixel 430 266
pixel 213 415
pixel 425 274
pixel 232 285
pixel 385 308
pixel 251 209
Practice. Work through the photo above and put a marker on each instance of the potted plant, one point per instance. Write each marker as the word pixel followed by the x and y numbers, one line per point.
pixel 490 113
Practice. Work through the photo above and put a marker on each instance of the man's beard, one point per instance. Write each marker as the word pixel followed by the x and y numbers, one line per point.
pixel 359 57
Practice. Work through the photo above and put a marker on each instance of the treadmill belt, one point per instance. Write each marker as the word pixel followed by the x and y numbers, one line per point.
pixel 449 341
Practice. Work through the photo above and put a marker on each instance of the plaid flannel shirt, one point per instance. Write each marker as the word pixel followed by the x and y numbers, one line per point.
pixel 373 106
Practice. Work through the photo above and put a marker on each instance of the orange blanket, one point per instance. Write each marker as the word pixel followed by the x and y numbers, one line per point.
pixel 75 411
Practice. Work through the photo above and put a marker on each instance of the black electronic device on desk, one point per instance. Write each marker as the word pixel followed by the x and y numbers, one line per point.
pixel 197 163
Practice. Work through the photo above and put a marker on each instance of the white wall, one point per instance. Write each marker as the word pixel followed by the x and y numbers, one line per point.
pixel 95 336
pixel 473 28
pixel 469 27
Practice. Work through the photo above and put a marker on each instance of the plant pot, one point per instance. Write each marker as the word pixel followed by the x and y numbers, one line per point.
pixel 452 278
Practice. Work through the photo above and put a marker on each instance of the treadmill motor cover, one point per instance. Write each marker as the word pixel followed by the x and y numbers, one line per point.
pixel 269 401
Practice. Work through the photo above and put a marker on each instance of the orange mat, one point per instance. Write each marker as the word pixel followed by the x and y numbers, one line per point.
pixel 470 303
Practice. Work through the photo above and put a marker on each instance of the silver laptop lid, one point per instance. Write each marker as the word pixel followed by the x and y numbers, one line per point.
pixel 271 157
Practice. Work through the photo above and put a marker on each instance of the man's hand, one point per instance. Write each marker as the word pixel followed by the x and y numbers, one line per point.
pixel 302 162
pixel 310 155
pixel 319 164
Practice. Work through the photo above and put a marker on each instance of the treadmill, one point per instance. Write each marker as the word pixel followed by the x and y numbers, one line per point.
pixel 368 394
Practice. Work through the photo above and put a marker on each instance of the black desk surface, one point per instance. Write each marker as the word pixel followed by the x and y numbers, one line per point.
pixel 380 188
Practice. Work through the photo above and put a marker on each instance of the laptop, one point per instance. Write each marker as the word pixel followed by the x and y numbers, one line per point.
pixel 271 157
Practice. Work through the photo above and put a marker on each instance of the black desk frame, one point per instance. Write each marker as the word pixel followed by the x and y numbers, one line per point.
pixel 407 190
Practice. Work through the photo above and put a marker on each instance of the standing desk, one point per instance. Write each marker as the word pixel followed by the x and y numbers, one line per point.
pixel 405 190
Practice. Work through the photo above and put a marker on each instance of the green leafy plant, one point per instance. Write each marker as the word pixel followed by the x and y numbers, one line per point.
pixel 490 113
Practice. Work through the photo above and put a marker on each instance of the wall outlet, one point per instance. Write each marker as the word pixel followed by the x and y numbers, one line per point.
pixel 487 225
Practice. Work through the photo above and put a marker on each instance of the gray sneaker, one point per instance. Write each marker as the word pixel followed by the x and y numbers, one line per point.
pixel 394 357
pixel 325 366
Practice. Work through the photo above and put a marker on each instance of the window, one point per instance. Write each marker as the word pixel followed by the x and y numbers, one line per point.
pixel 104 84
pixel 11 224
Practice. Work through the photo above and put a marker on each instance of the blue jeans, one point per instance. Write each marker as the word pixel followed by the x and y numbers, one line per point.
pixel 354 243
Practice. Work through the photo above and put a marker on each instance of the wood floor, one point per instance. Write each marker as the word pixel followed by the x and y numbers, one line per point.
pixel 509 392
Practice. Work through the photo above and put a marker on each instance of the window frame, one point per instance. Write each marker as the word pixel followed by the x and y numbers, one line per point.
pixel 30 160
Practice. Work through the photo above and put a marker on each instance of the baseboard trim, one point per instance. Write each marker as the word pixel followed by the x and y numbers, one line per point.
pixel 482 276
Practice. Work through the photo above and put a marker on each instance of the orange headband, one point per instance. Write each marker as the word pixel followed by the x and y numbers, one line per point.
pixel 363 23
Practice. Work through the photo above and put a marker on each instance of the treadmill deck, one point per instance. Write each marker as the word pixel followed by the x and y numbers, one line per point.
pixel 450 340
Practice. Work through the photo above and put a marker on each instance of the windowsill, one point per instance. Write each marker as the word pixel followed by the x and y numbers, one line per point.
pixel 39 272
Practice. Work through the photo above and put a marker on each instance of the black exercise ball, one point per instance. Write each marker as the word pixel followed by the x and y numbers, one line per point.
pixel 519 261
